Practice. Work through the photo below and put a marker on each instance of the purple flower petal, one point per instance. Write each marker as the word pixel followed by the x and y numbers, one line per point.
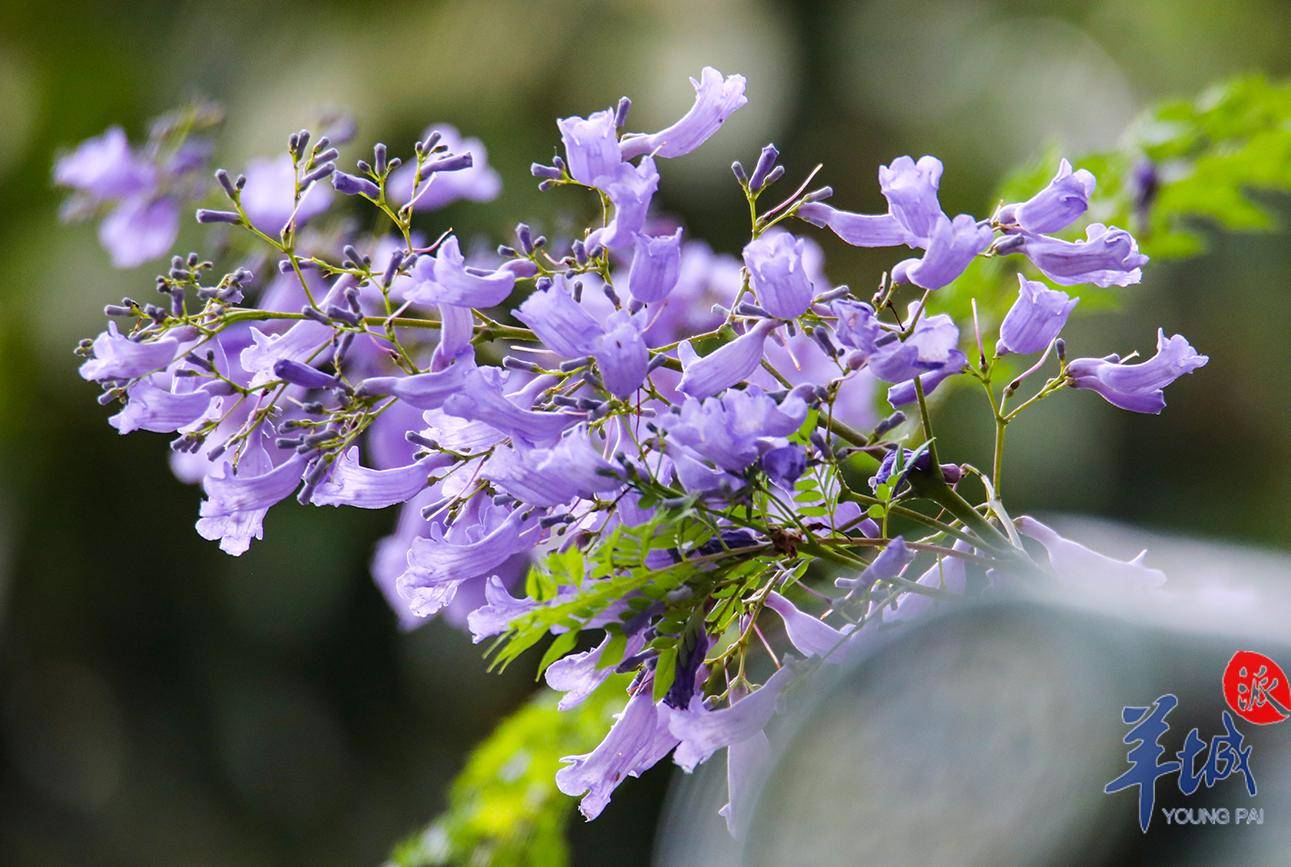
pixel 1035 319
pixel 716 99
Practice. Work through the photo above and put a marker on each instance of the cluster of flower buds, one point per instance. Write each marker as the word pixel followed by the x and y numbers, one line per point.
pixel 624 434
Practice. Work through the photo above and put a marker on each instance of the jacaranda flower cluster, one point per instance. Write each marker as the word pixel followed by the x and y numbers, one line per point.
pixel 660 460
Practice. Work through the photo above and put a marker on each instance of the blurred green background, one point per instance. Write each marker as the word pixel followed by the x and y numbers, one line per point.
pixel 163 703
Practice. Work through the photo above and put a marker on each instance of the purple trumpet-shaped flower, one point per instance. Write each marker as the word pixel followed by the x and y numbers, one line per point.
pixel 482 538
pixel 555 475
pixel 911 190
pixel 914 212
pixel 904 392
pixel 888 565
pixel 636 742
pixel 422 390
pixel 726 366
pixel 591 147
pixel 702 732
pixel 747 762
pixel 579 674
pixel 630 189
pixel 1074 563
pixel 808 634
pixel 119 357
pixel 656 265
pixel 447 279
pixel 1055 207
pixel 621 354
pixel 1138 387
pixel 727 430
pixel 857 326
pixel 478 182
pixel 481 399
pixel 859 230
pixel 948 573
pixel 952 246
pixel 930 346
pixel 561 323
pixel 784 465
pixel 159 408
pixel 350 484
pixel 1107 257
pixel 1035 319
pixel 140 229
pixel 106 168
pixel 717 97
pixel 497 612
pixel 269 197
pixel 235 505
pixel 777 274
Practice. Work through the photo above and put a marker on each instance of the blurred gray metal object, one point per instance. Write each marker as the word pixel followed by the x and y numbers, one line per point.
pixel 986 735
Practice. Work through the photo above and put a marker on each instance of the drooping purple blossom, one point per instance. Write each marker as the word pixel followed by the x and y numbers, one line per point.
pixel 552 476
pixel 725 366
pixel 630 190
pixel 810 635
pixel 777 274
pixel 106 168
pixel 497 612
pixel 890 563
pixel 1138 387
pixel 727 430
pixel 1074 563
pixel 656 265
pixel 636 742
pixel 1035 319
pixel 952 246
pixel 579 674
pixel 350 484
pixel 717 97
pixel 591 147
pixel 118 357
pixel 784 465
pixel 1055 207
pixel 911 190
pixel 445 278
pixel 140 229
pixel 702 732
pixel 859 230
pixel 1107 257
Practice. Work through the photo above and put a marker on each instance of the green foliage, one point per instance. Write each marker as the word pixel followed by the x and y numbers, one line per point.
pixel 1210 155
pixel 504 808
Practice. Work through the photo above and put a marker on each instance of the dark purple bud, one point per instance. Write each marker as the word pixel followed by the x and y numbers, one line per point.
pixel 302 374
pixel 554 520
pixel 392 267
pixel 819 195
pixel 657 362
pixel 747 309
pixel 833 294
pixel 784 465
pixel 525 236
pixel 890 423
pixel 512 363
pixel 612 295
pixel 579 249
pixel 326 156
pixel 116 310
pixel 762 170
pixel 952 473
pixel 737 169
pixel 335 311
pixel 353 185
pixel 1060 347
pixel 821 335
pixel 227 183
pixel 821 442
pixel 550 173
pixel 206 215
pixel 520 267
pixel 318 174
pixel 315 314
pixel 621 112
pixel 453 163
pixel 774 175
pixel 379 157
pixel 424 441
